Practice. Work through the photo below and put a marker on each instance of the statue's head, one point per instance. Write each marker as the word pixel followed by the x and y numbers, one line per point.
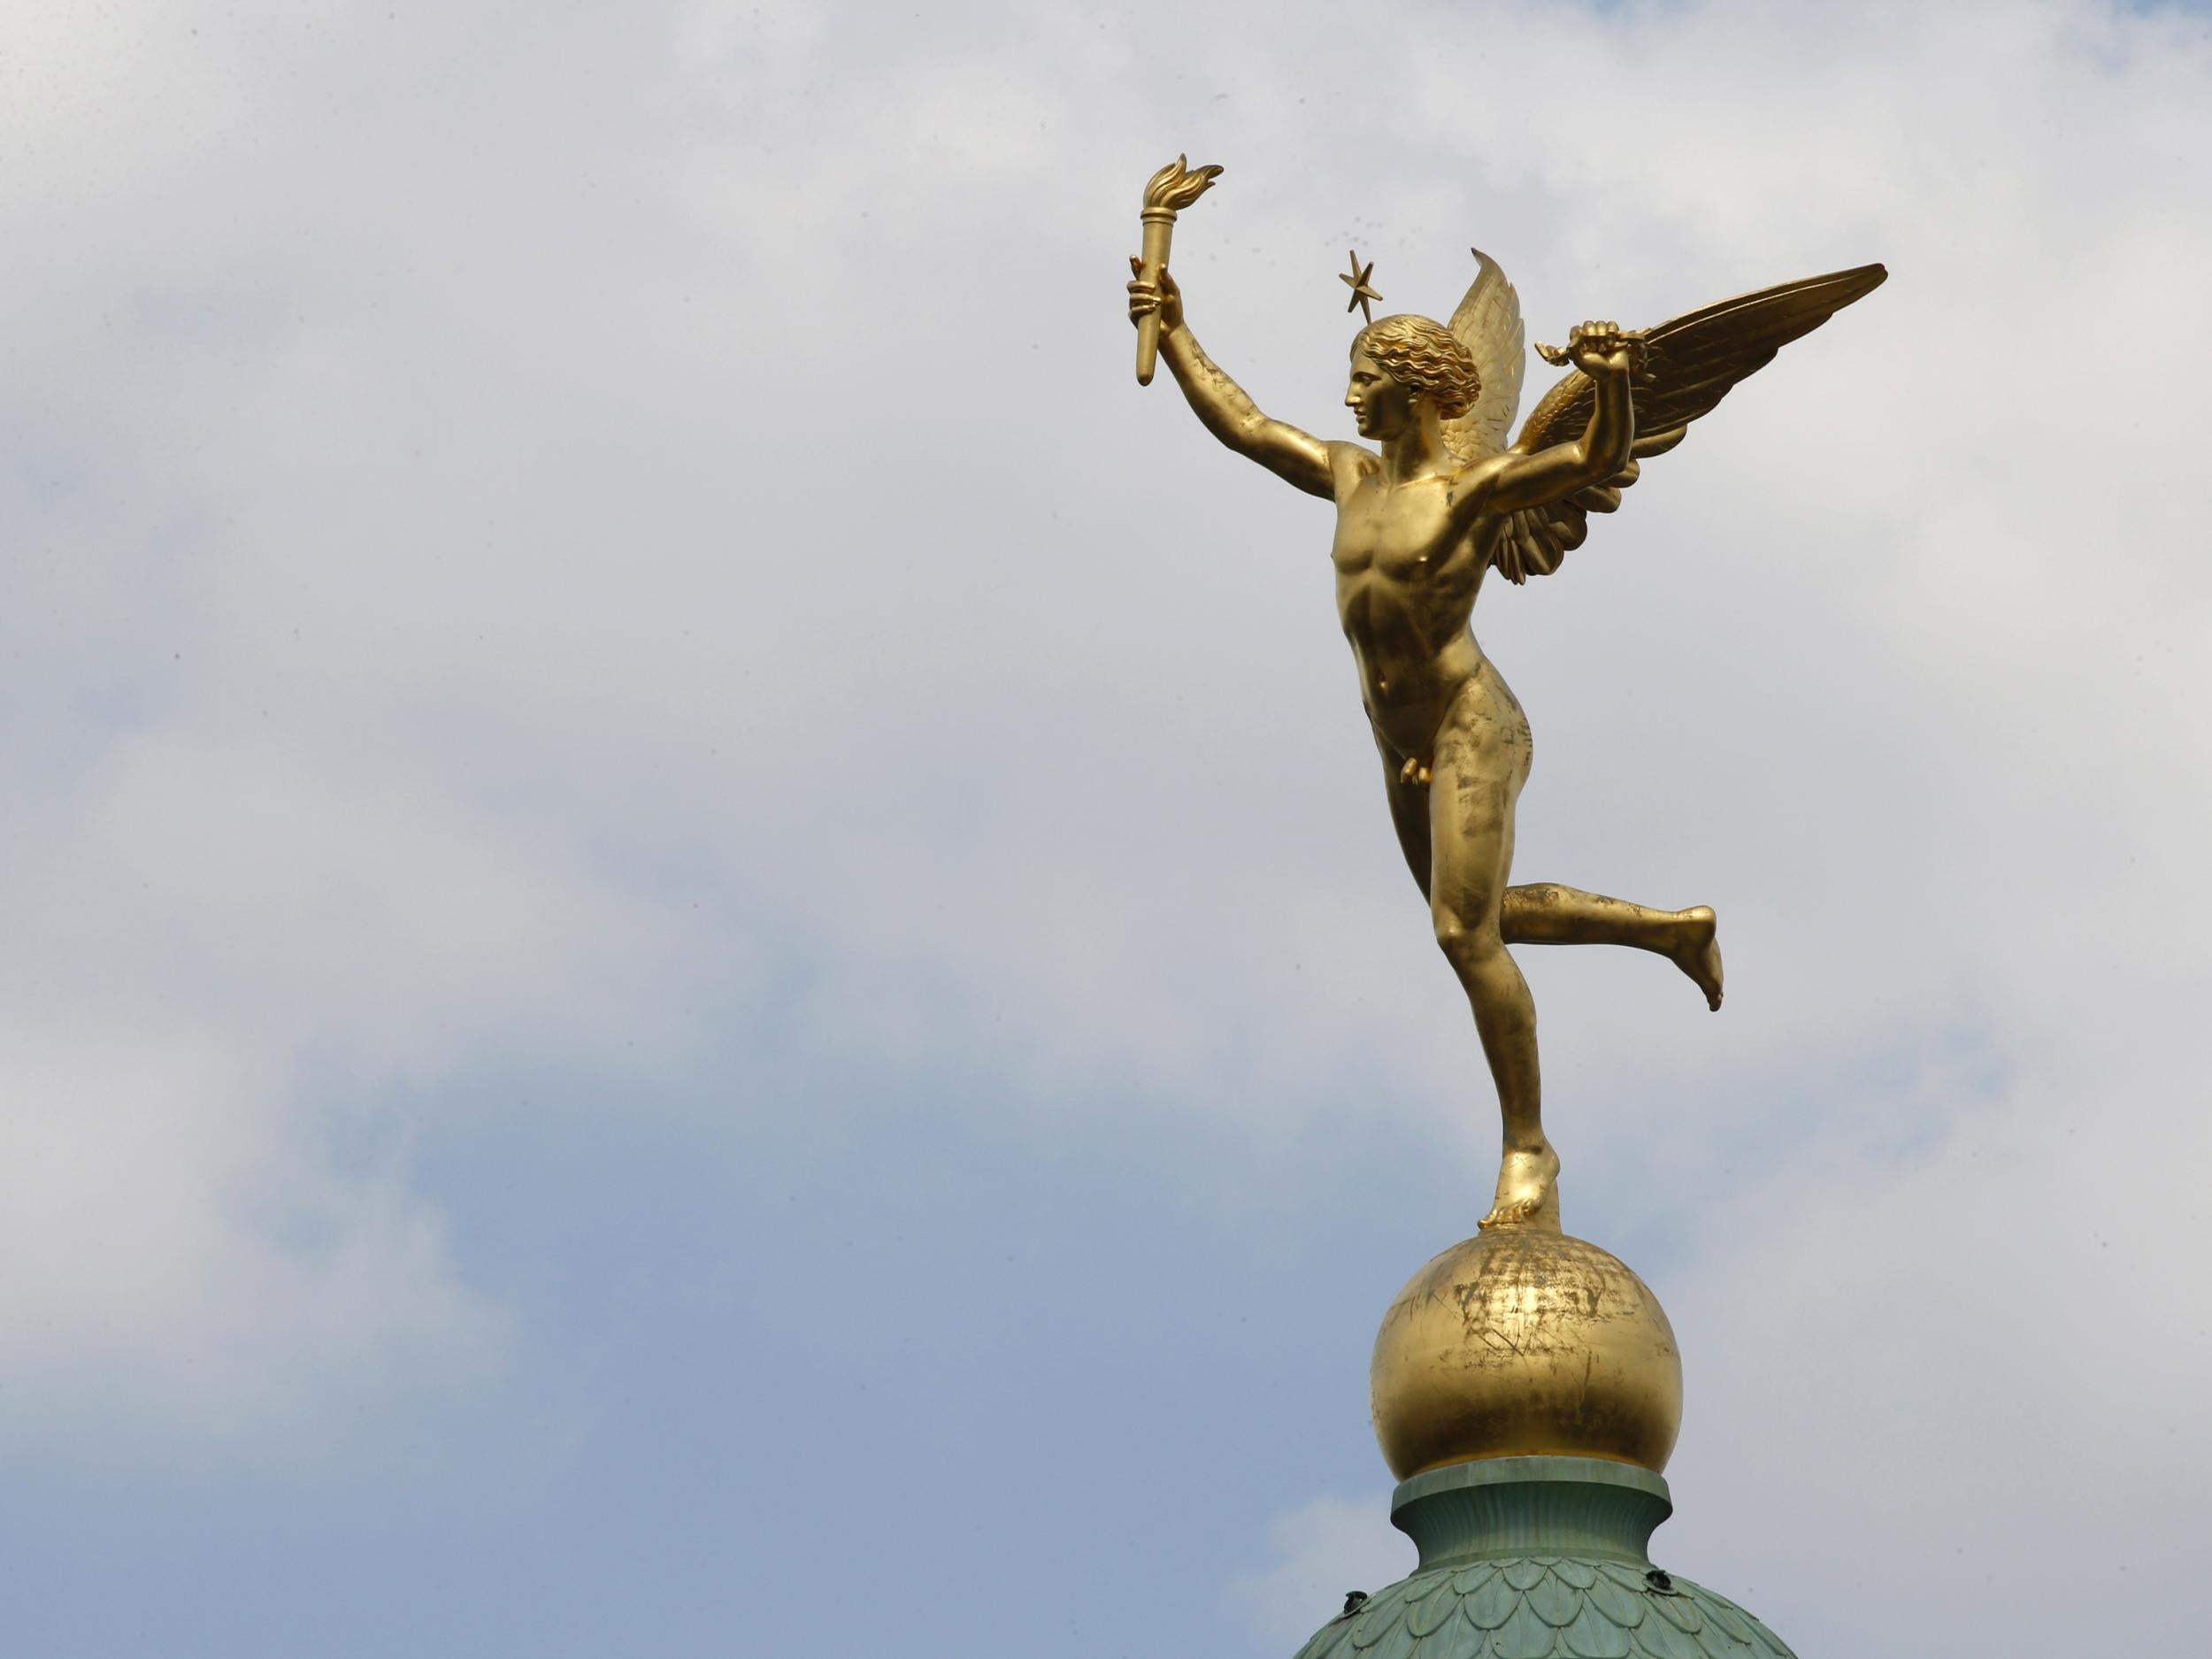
pixel 1399 362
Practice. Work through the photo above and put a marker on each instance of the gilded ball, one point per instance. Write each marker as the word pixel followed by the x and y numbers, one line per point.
pixel 1522 1342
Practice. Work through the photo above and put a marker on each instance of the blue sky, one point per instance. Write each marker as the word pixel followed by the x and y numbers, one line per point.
pixel 699 953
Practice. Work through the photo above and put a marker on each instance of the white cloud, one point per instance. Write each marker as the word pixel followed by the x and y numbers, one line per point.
pixel 506 522
pixel 1316 1554
pixel 186 1268
pixel 220 953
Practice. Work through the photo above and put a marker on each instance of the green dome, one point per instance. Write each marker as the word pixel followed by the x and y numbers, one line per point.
pixel 1540 1558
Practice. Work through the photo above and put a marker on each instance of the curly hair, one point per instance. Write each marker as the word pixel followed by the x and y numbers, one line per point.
pixel 1424 357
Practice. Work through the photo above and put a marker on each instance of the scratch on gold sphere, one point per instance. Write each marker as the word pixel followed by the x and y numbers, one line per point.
pixel 1524 1342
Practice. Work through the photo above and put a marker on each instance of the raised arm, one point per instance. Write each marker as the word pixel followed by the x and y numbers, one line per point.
pixel 1295 456
pixel 1610 359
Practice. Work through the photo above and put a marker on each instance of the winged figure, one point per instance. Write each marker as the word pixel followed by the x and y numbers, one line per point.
pixel 1424 511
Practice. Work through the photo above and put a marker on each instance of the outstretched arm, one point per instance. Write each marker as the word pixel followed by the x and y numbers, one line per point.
pixel 1296 456
pixel 1610 359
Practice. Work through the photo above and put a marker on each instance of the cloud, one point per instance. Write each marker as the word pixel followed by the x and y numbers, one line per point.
pixel 225 954
pixel 189 1271
pixel 1317 1552
pixel 540 545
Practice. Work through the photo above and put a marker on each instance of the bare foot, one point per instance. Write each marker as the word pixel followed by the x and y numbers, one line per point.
pixel 1697 952
pixel 1528 1190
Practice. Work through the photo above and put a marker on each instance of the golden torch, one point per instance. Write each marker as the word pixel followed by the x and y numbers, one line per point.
pixel 1175 187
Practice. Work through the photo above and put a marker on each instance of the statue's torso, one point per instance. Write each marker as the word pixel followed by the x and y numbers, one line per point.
pixel 1405 588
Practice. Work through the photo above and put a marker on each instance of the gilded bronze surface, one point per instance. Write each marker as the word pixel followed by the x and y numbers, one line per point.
pixel 1434 500
pixel 1359 279
pixel 1522 1341
pixel 1175 187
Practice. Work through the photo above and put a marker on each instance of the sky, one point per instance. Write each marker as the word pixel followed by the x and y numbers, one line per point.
pixel 697 950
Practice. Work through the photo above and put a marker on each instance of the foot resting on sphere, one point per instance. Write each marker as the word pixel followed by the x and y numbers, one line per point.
pixel 1696 951
pixel 1528 1189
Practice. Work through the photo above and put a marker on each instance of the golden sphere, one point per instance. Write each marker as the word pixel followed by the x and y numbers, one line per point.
pixel 1524 1342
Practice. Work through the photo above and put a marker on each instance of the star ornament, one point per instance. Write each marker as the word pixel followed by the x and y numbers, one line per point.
pixel 1363 295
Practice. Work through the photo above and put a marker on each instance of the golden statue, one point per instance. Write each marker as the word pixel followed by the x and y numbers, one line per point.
pixel 1421 517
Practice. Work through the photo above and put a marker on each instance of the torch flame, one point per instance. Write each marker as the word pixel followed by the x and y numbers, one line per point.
pixel 1176 186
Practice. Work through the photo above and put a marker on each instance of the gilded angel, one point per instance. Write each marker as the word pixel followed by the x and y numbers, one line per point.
pixel 1421 516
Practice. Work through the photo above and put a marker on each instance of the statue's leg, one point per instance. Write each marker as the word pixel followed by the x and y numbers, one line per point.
pixel 1482 755
pixel 1545 913
pixel 1408 814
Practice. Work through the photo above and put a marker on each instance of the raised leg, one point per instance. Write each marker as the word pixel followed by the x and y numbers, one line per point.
pixel 1545 913
pixel 1481 760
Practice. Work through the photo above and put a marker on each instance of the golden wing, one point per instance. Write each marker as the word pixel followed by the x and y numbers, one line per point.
pixel 1488 324
pixel 1694 362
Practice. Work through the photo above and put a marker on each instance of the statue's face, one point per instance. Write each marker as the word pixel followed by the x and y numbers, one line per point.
pixel 1381 407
